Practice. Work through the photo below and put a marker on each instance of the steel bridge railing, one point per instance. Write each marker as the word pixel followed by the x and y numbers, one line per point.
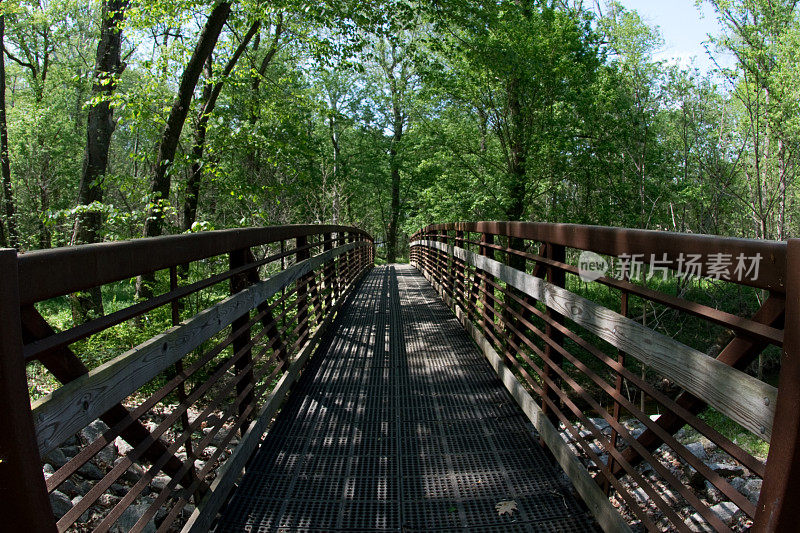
pixel 211 354
pixel 582 339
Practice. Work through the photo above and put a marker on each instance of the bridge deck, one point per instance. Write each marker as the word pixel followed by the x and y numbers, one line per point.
pixel 400 424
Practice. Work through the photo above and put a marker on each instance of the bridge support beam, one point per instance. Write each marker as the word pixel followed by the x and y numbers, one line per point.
pixel 22 488
pixel 239 258
pixel 557 277
pixel 777 504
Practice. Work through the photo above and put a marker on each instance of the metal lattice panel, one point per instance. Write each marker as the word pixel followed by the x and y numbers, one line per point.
pixel 400 424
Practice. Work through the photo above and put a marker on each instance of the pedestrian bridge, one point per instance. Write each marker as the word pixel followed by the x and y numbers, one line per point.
pixel 274 379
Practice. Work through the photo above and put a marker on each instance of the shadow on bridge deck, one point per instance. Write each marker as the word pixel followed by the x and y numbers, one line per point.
pixel 400 424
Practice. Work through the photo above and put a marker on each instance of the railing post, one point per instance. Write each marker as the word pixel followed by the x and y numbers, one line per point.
pixel 302 292
pixel 487 239
pixel 517 262
pixel 22 488
pixel 557 277
pixel 315 296
pixel 329 272
pixel 780 493
pixel 351 259
pixel 239 282
pixel 623 310
pixel 178 368
pixel 461 266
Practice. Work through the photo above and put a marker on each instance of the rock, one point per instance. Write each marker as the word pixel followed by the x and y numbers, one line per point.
pixel 712 492
pixel 71 451
pixel 211 450
pixel 56 458
pixel 108 500
pixel 188 509
pixel 86 514
pixel 133 474
pixel 93 431
pixel 738 483
pixel 123 448
pixel 48 469
pixel 726 469
pixel 697 449
pixel 160 482
pixel 107 455
pixel 211 421
pixel 671 496
pixel 118 490
pixel 60 502
pixel 726 511
pixel 698 524
pixel 129 518
pixel 69 488
pixel 707 444
pixel 90 471
pixel 752 489
pixel 600 423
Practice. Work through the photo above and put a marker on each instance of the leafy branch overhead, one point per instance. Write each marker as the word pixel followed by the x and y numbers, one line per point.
pixel 390 115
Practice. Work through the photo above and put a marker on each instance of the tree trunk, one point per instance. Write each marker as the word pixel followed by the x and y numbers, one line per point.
pixel 160 186
pixel 394 165
pixel 8 198
pixel 192 195
pixel 211 92
pixel 100 122
pixel 518 155
pixel 99 129
pixel 159 189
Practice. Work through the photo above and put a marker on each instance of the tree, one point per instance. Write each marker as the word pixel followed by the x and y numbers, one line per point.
pixel 211 92
pixel 5 164
pixel 167 148
pixel 394 61
pixel 754 30
pixel 162 179
pixel 99 129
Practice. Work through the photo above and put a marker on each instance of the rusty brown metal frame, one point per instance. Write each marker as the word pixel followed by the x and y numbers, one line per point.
pixel 617 241
pixel 90 265
pixel 25 335
pixel 780 493
pixel 780 273
pixel 22 489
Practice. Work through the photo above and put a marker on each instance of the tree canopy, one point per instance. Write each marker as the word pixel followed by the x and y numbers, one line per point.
pixel 138 118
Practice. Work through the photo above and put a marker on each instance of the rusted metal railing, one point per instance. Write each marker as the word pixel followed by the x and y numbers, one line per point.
pixel 184 403
pixel 589 348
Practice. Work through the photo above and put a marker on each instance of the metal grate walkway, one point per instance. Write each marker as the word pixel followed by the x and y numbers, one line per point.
pixel 400 424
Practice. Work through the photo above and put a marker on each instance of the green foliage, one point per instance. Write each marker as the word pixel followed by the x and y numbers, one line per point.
pixel 371 111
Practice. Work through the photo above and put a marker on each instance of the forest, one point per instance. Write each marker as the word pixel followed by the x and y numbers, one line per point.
pixel 123 119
